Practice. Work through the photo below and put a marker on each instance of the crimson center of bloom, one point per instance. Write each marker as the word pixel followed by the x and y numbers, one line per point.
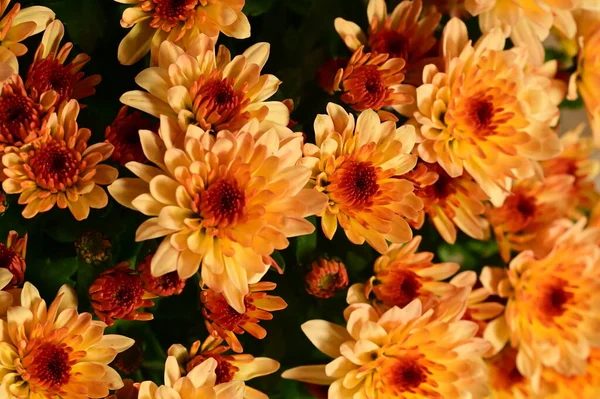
pixel 443 187
pixel 389 42
pixel 51 366
pixel 404 374
pixel 397 288
pixel 49 74
pixel 225 371
pixel 553 298
pixel 54 164
pixel 16 112
pixel 7 257
pixel 482 114
pixel 356 184
pixel 174 9
pixel 222 204
pixel 126 292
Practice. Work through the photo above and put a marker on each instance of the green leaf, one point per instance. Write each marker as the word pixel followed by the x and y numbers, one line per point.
pixel 459 254
pixel 254 8
pixel 306 246
pixel 84 20
pixel 49 275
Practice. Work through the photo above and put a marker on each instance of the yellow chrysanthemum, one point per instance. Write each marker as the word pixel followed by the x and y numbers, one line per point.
pixel 526 22
pixel 487 113
pixel 199 87
pixel 198 383
pixel 506 382
pixel 224 203
pixel 359 166
pixel 404 353
pixel 553 310
pixel 60 169
pixel 586 80
pixel 156 21
pixel 56 351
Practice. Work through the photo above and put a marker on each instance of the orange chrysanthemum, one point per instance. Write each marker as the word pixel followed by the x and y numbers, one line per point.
pixel 225 322
pixel 165 285
pixel 49 72
pixel 506 382
pixel 118 294
pixel 55 351
pixel 488 113
pixel 372 81
pixel 12 258
pixel 325 278
pixel 404 353
pixel 406 33
pixel 123 134
pixel 358 167
pixel 197 86
pixel 553 307
pixel 449 202
pixel 327 72
pixel 526 215
pixel 60 169
pixel 22 119
pixel 156 21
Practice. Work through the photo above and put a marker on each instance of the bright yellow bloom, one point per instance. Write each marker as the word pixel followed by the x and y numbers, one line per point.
pixel 60 169
pixel 488 113
pixel 199 87
pixel 553 312
pixel 224 203
pixel 198 383
pixel 156 21
pixel 405 353
pixel 17 25
pixel 359 166
pixel 55 351
pixel 526 22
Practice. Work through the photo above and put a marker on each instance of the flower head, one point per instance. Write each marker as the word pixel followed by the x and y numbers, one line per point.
pixel 325 278
pixel 60 169
pixel 239 367
pixel 360 167
pixel 129 361
pixel 118 294
pixel 56 351
pixel 327 72
pixel 405 33
pixel 487 113
pixel 526 215
pixel 49 72
pixel 223 321
pixel 12 258
pixel 224 203
pixel 506 382
pixel 449 202
pixel 403 353
pixel 201 87
pixel 93 247
pixel 165 285
pixel 178 21
pixel 200 382
pixel 123 134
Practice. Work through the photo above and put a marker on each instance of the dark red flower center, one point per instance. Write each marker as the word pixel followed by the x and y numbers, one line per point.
pixel 482 111
pixel 554 297
pixel 51 366
pixel 225 371
pixel 404 374
pixel 17 113
pixel 355 184
pixel 222 204
pixel 174 10
pixel 444 186
pixel 390 42
pixel 398 287
pixel 55 165
pixel 7 256
pixel 49 74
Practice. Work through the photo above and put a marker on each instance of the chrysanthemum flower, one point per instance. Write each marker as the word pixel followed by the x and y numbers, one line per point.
pixel 12 258
pixel 553 308
pixel 239 367
pixel 505 380
pixel 587 385
pixel 360 167
pixel 488 113
pixel 404 353
pixel 156 21
pixel 129 361
pixel 223 203
pixel 49 72
pixel 327 72
pixel 405 33
pixel 124 135
pixel 325 277
pixel 199 87
pixel 449 202
pixel 198 383
pixel 165 285
pixel 527 213
pixel 372 81
pixel 55 351
pixel 22 119
pixel 223 321
pixel 93 247
pixel 528 23
pixel 118 293
pixel 17 25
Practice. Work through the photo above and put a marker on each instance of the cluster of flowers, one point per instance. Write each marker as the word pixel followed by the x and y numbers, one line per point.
pixel 225 182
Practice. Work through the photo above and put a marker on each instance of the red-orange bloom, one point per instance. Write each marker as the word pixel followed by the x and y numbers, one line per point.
pixel 123 134
pixel 327 72
pixel 130 361
pixel 12 258
pixel 118 294
pixel 325 278
pixel 165 285
pixel 372 81
pixel 225 322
